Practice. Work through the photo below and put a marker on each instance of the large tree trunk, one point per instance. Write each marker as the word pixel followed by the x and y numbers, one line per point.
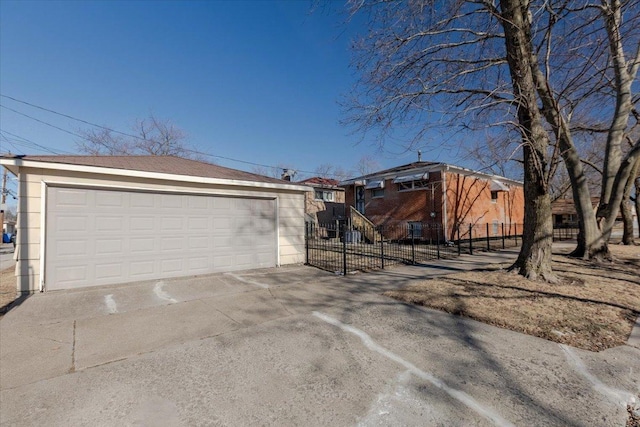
pixel 625 207
pixel 534 260
pixel 627 222
pixel 588 242
pixel 637 202
pixel 625 73
pixel 617 191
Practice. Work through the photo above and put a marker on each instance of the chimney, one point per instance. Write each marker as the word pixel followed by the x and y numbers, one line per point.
pixel 419 155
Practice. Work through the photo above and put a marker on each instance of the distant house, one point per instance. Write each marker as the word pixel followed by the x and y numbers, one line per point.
pixel 439 194
pixel 565 214
pixel 325 204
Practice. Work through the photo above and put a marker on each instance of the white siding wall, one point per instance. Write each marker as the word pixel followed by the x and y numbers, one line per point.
pixel 28 267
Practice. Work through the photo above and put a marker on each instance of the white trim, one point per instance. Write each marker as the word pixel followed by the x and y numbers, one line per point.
pixel 430 168
pixel 149 175
pixel 195 192
pixel 468 172
pixel 392 174
pixel 414 177
pixel 43 226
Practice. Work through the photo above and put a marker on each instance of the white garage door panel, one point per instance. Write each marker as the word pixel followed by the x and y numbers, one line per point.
pixel 98 237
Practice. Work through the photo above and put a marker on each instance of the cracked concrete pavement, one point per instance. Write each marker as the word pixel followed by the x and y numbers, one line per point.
pixel 292 346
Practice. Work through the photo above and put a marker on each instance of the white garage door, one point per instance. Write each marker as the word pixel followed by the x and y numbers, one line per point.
pixel 97 237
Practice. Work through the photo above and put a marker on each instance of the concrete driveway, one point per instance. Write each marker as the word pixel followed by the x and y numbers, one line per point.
pixel 292 346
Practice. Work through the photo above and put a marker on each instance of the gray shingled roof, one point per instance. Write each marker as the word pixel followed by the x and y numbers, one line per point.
pixel 158 164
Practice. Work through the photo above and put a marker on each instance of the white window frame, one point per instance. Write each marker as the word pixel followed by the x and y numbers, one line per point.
pixel 419 184
pixel 412 182
pixel 325 195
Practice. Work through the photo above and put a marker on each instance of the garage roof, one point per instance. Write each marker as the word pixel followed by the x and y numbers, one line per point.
pixel 161 167
pixel 160 164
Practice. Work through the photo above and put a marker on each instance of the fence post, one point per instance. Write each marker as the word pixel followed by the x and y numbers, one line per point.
pixel 488 240
pixel 438 241
pixel 382 250
pixel 459 241
pixel 306 241
pixel 470 239
pixel 344 251
pixel 413 245
pixel 503 235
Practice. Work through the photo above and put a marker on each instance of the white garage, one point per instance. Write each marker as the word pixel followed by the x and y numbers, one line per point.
pixel 103 220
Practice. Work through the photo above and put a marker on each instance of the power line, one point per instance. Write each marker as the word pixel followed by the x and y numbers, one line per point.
pixel 41 121
pixel 141 138
pixel 25 142
pixel 70 117
pixel 121 133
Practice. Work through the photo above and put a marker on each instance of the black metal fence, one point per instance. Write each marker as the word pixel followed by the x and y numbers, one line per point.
pixel 565 233
pixel 342 248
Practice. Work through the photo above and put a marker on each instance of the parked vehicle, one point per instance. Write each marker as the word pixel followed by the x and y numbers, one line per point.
pixel 13 238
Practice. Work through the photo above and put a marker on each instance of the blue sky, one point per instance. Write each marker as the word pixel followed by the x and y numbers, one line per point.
pixel 254 81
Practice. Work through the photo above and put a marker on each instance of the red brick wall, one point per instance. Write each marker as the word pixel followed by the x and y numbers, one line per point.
pixel 469 202
pixel 402 206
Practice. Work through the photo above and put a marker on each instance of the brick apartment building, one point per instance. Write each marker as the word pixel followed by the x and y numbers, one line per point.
pixel 447 196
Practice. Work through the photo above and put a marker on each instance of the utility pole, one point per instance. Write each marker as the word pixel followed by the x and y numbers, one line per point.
pixel 4 186
pixel 3 203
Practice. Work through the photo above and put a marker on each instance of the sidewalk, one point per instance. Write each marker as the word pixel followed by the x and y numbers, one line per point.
pixel 118 354
pixel 6 248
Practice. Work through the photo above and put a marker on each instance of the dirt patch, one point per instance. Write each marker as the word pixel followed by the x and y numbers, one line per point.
pixel 593 307
pixel 7 288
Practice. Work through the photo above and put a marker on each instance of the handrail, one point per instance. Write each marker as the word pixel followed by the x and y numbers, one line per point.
pixel 365 226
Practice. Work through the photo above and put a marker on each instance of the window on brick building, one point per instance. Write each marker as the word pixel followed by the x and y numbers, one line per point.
pixel 412 182
pixel 494 196
pixel 377 192
pixel 325 195
pixel 413 185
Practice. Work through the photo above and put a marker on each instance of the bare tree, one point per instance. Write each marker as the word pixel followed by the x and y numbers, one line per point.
pixel 625 208
pixel 103 142
pixel 458 62
pixel 429 62
pixel 150 136
pixel 534 259
pixel 327 170
pixel 637 202
pixel 495 154
pixel 366 165
pixel 590 39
